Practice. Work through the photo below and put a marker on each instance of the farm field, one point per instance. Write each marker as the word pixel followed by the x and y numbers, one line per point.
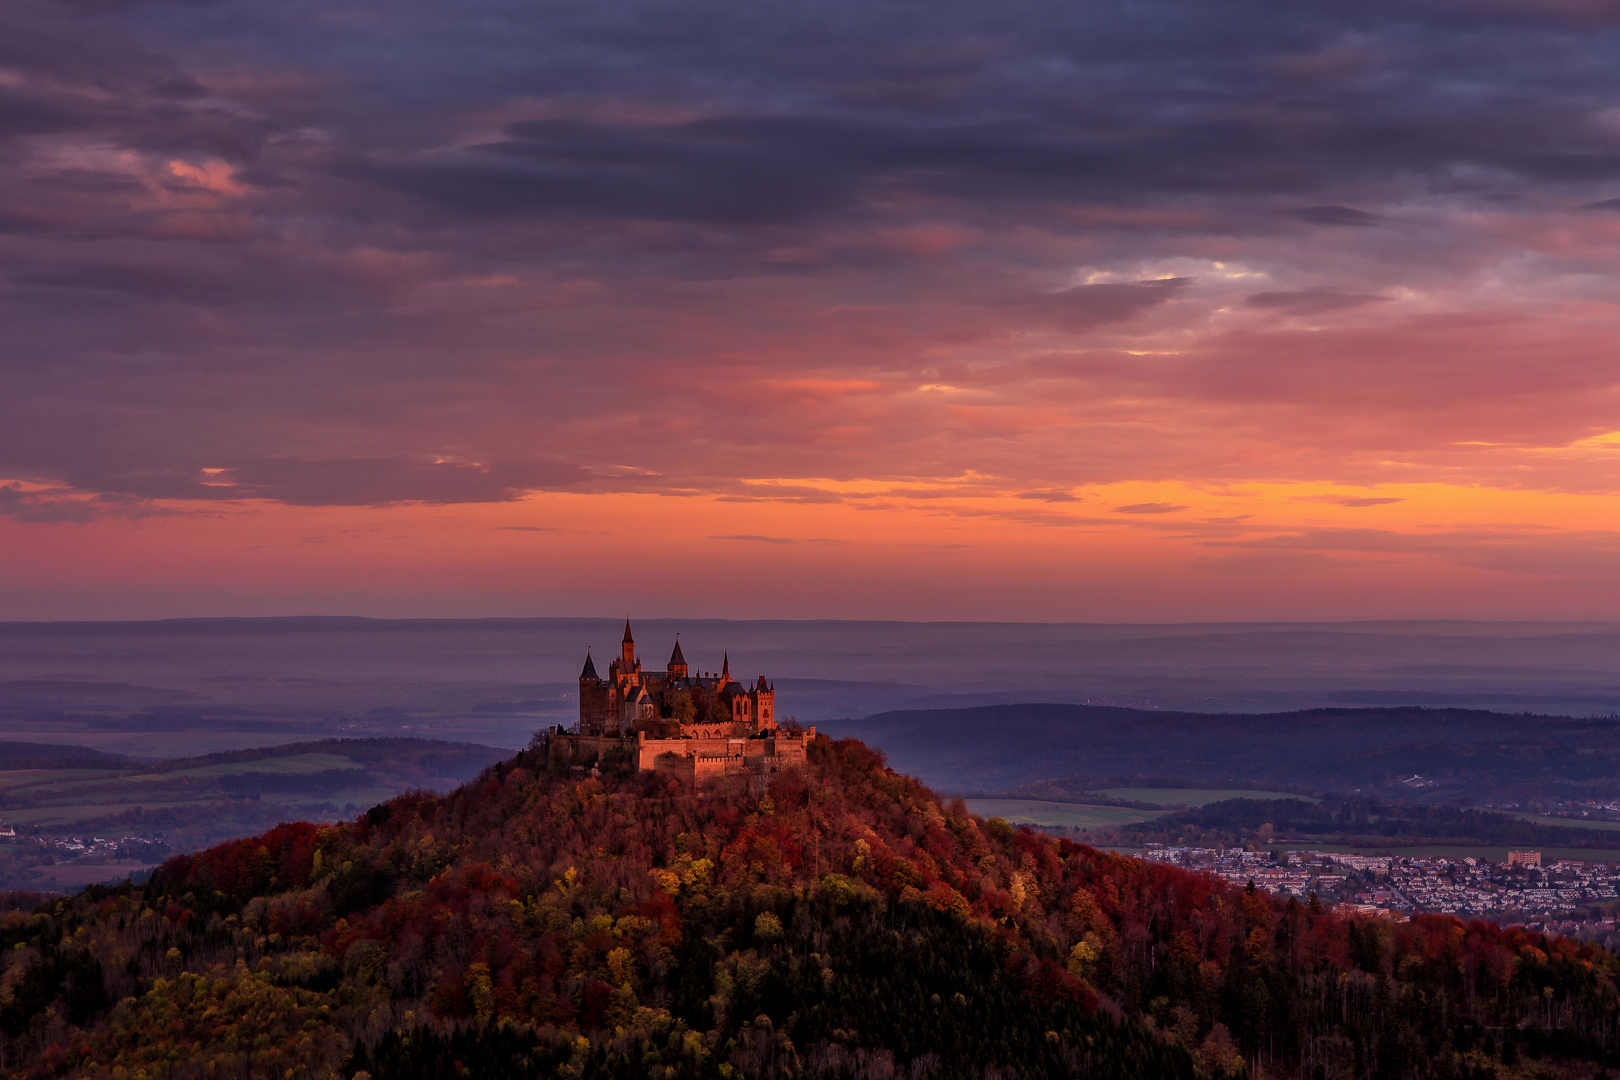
pixel 1579 823
pixel 76 814
pixel 1194 796
pixel 290 765
pixel 1066 815
pixel 16 779
pixel 73 823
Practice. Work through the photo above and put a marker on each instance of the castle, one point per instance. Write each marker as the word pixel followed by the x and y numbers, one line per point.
pixel 694 727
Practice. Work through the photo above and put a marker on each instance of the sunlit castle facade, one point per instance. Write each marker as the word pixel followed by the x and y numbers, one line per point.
pixel 697 727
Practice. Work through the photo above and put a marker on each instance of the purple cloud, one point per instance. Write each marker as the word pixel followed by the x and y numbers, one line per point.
pixel 245 254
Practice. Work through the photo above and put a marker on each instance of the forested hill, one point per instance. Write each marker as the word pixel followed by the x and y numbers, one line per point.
pixel 842 922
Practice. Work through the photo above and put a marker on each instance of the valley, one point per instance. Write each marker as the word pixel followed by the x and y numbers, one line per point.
pixel 99 818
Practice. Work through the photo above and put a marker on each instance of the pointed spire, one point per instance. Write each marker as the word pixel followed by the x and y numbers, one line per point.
pixel 725 668
pixel 590 667
pixel 627 638
pixel 675 658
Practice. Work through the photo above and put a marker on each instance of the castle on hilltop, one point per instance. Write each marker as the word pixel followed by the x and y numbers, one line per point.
pixel 695 727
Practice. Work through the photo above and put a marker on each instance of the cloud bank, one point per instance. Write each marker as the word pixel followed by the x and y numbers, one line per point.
pixel 1103 266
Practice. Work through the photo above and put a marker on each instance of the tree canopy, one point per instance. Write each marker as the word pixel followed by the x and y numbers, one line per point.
pixel 839 921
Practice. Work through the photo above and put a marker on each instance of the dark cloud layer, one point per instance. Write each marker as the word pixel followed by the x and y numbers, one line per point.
pixel 372 481
pixel 1334 215
pixel 1312 301
pixel 753 168
pixel 367 253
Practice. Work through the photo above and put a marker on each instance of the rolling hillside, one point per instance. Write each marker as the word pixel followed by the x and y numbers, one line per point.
pixel 836 923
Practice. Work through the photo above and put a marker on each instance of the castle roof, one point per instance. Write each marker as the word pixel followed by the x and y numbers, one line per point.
pixel 590 668
pixel 627 638
pixel 675 658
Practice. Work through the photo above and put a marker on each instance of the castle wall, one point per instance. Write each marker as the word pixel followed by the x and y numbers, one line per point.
pixel 724 756
pixel 583 747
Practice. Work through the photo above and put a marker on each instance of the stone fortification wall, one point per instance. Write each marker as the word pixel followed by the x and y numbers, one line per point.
pixel 693 760
pixel 696 760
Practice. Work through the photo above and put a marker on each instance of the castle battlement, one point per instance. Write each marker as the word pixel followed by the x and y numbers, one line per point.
pixel 693 726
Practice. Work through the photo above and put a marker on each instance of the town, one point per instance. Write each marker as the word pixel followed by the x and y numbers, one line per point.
pixel 1565 897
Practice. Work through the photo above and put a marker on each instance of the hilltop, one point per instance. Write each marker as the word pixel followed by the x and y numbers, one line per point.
pixel 842 921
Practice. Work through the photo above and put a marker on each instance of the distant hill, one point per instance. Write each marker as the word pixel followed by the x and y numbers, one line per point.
pixel 421 762
pixel 841 922
pixel 440 670
pixel 143 811
pixel 1418 753
pixel 28 755
pixel 1363 822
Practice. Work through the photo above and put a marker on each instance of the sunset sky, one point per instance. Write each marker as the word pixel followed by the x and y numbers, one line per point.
pixel 1144 311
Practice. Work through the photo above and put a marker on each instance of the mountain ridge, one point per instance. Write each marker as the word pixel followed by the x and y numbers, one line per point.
pixel 1468 752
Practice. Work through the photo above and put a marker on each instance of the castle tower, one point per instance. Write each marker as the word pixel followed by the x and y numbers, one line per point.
pixel 628 646
pixel 677 663
pixel 595 699
pixel 764 702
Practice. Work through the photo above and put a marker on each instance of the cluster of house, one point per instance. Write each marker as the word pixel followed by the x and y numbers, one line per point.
pixel 1519 888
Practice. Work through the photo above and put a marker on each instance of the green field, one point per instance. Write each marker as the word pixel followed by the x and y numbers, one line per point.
pixel 70 784
pixel 1067 815
pixel 14 779
pixel 1193 796
pixel 298 764
pixel 70 813
pixel 30 782
pixel 294 765
pixel 1579 823
pixel 63 798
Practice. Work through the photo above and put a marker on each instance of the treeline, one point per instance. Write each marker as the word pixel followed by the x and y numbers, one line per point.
pixel 325 782
pixel 1341 820
pixel 430 756
pixel 250 785
pixel 841 922
pixel 1085 787
pixel 25 755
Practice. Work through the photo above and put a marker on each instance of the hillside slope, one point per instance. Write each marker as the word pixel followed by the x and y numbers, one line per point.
pixel 841 923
